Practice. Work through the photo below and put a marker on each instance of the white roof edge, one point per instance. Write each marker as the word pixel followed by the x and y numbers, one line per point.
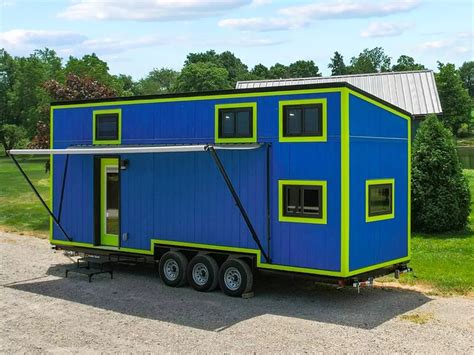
pixel 132 150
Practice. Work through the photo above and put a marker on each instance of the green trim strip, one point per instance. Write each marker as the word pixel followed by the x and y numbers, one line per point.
pixel 106 239
pixel 283 218
pixel 345 181
pixel 252 139
pixel 382 217
pixel 324 121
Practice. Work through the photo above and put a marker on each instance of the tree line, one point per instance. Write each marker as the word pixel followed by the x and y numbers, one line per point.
pixel 29 83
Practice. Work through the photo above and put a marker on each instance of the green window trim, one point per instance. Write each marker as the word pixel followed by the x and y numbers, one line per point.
pixel 251 105
pixel 94 127
pixel 384 216
pixel 281 119
pixel 311 220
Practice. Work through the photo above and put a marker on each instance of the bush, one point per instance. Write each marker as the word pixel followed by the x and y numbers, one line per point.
pixel 12 136
pixel 440 192
pixel 463 131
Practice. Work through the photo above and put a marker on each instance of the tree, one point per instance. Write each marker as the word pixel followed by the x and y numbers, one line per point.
pixel 337 65
pixel 370 61
pixel 466 72
pixel 12 136
pixel 7 79
pixel 158 81
pixel 260 71
pixel 77 88
pixel 202 76
pixel 278 71
pixel 454 98
pixel 407 63
pixel 127 86
pixel 303 69
pixel 440 192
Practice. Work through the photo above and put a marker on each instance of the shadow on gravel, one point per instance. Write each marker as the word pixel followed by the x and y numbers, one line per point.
pixel 137 291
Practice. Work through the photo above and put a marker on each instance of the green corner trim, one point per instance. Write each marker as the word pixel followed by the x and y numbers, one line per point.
pixel 106 239
pixel 345 181
pixel 94 120
pixel 324 121
pixel 283 218
pixel 382 217
pixel 218 107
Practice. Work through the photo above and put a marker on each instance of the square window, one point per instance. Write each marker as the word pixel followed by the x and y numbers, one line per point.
pixel 380 201
pixel 235 122
pixel 302 120
pixel 302 201
pixel 107 127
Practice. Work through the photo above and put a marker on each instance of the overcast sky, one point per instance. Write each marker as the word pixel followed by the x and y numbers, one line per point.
pixel 137 36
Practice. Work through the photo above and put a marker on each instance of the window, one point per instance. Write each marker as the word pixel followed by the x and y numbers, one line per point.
pixel 303 120
pixel 380 198
pixel 107 127
pixel 302 201
pixel 236 123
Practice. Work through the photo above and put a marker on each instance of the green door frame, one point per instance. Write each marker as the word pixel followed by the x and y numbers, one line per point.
pixel 107 239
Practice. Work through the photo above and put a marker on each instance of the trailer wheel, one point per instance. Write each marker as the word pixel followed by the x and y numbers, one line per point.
pixel 235 277
pixel 173 266
pixel 203 273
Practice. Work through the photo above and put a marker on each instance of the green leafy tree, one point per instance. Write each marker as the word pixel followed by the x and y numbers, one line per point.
pixel 337 65
pixel 7 79
pixel 454 97
pixel 279 71
pixel 260 71
pixel 202 76
pixel 466 72
pixel 12 136
pixel 407 63
pixel 127 86
pixel 370 61
pixel 158 81
pixel 303 69
pixel 440 192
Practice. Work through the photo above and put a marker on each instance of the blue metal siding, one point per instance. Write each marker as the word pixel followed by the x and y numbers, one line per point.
pixel 378 150
pixel 182 196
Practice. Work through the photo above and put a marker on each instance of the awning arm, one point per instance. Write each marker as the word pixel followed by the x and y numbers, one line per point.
pixel 39 196
pixel 222 170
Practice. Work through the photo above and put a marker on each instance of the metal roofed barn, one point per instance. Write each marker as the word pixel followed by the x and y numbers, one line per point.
pixel 413 91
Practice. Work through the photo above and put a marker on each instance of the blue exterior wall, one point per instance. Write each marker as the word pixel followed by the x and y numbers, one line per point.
pixel 182 197
pixel 378 150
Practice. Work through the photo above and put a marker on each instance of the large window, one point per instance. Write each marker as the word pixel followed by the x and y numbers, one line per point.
pixel 236 123
pixel 302 201
pixel 303 120
pixel 107 127
pixel 380 199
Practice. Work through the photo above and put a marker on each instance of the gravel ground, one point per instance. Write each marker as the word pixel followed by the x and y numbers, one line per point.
pixel 41 311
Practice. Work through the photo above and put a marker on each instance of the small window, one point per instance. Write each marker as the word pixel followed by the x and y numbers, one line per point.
pixel 303 201
pixel 302 120
pixel 379 200
pixel 235 123
pixel 107 127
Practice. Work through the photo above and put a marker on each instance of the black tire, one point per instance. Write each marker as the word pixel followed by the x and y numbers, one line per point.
pixel 235 277
pixel 173 267
pixel 203 273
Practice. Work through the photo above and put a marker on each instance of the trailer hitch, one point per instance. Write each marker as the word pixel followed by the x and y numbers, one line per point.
pixel 400 271
pixel 359 284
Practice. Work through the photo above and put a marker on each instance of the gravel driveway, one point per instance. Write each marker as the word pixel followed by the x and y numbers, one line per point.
pixel 41 311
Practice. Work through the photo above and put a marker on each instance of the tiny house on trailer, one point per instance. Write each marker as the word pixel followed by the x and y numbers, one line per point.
pixel 312 180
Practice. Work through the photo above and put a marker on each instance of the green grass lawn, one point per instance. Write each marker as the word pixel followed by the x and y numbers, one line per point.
pixel 442 262
pixel 20 209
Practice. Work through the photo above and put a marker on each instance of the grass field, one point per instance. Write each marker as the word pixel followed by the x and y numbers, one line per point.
pixel 442 262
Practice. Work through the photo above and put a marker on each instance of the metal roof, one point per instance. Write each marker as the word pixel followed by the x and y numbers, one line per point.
pixel 413 91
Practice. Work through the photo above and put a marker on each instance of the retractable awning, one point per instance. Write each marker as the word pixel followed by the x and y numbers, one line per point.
pixel 107 150
pixel 75 150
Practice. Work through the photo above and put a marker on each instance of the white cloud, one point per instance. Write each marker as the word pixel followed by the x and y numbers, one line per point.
pixel 349 9
pixel 118 45
pixel 458 43
pixel 385 29
pixel 262 24
pixel 256 3
pixel 21 40
pixel 148 10
pixel 303 15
